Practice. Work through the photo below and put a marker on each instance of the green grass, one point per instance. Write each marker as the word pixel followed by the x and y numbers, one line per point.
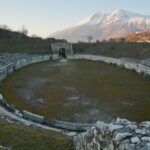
pixel 106 89
pixel 114 49
pixel 25 46
pixel 33 46
pixel 20 137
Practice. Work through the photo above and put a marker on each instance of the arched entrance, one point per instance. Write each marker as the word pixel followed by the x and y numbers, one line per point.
pixel 62 52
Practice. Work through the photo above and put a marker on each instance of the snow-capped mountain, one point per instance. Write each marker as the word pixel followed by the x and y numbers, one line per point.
pixel 105 26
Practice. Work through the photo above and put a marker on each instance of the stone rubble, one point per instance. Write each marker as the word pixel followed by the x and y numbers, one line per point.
pixel 135 140
pixel 118 135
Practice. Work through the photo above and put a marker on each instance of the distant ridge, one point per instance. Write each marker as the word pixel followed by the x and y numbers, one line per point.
pixel 101 26
pixel 135 37
pixel 7 34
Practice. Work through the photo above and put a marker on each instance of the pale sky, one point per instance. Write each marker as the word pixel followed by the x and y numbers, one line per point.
pixel 43 17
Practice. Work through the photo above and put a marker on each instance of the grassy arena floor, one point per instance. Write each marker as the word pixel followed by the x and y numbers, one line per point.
pixel 79 91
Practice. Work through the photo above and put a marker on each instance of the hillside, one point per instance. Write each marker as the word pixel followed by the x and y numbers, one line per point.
pixel 8 34
pixel 136 37
pixel 14 42
pixel 114 49
pixel 20 137
pixel 99 26
pixel 10 43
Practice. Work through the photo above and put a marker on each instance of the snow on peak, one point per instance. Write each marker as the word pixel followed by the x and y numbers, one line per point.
pixel 119 11
pixel 104 26
pixel 94 18
pixel 122 16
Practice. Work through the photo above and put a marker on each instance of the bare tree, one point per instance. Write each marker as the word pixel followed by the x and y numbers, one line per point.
pixel 34 36
pixel 24 30
pixel 97 41
pixel 104 40
pixel 90 38
pixel 5 27
pixel 111 40
pixel 122 39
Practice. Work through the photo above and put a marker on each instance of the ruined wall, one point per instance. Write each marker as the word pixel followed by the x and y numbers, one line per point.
pixel 57 46
pixel 139 68
pixel 118 135
pixel 10 67
pixel 11 64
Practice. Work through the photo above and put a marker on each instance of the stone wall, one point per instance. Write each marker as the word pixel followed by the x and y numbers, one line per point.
pixel 10 65
pixel 118 135
pixel 78 127
pixel 121 134
pixel 138 67
pixel 57 46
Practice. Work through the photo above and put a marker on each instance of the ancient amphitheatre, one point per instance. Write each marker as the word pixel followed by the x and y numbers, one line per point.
pixel 125 66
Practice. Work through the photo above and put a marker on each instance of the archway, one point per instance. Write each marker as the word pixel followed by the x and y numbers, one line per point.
pixel 62 52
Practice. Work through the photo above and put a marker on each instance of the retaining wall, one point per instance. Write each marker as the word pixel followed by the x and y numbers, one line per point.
pixel 79 127
pixel 139 68
pixel 119 135
pixel 11 67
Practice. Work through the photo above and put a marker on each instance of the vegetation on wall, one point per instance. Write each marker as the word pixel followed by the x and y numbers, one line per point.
pixel 114 49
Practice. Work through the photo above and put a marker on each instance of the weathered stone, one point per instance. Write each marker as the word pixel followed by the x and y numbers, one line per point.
pixel 124 146
pixel 135 140
pixel 12 108
pixel 113 127
pixel 140 131
pixel 1 97
pixel 123 130
pixel 121 136
pixel 125 141
pixel 145 124
pixel 148 146
pixel 124 122
pixel 62 49
pixel 69 125
pixel 132 127
pixel 33 117
pixel 18 113
pixel 101 125
pixel 4 103
pixel 146 139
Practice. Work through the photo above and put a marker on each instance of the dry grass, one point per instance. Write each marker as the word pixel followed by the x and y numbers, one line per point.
pixel 20 137
pixel 105 91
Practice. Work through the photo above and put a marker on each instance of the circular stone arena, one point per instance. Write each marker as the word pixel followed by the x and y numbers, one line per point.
pixel 79 91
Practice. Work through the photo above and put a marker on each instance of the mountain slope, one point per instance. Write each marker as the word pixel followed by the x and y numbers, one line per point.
pixel 8 34
pixel 136 37
pixel 105 26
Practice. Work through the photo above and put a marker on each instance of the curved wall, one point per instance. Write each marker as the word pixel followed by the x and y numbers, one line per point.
pixel 139 68
pixel 13 66
pixel 120 134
